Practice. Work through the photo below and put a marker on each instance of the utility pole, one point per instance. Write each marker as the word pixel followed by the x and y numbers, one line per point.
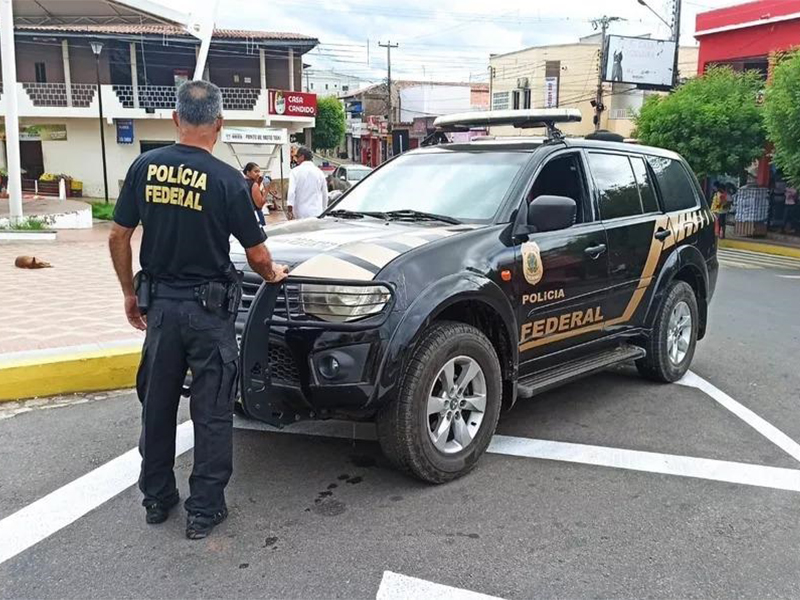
pixel 389 45
pixel 676 36
pixel 603 24
pixel 491 87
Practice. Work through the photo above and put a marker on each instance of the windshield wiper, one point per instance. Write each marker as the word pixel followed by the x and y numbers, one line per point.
pixel 355 214
pixel 417 215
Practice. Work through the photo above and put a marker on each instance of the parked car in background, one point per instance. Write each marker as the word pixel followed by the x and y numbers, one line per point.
pixel 346 176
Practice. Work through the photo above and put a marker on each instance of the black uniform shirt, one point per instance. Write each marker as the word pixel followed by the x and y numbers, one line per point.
pixel 189 203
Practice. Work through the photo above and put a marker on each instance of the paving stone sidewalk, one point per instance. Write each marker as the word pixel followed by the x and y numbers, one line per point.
pixel 78 302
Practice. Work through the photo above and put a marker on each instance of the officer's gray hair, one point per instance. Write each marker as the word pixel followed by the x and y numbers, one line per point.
pixel 199 103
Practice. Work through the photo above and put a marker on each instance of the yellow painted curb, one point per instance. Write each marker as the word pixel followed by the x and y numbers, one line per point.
pixel 762 247
pixel 50 375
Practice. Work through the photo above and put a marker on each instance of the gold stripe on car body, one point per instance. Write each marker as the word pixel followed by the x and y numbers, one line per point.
pixel 379 256
pixel 325 266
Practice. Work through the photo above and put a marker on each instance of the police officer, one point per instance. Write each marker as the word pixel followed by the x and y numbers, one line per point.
pixel 189 203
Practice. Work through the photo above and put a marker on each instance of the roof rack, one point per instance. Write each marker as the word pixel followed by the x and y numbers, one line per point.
pixel 521 119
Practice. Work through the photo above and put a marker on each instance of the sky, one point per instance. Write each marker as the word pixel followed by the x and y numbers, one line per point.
pixel 443 40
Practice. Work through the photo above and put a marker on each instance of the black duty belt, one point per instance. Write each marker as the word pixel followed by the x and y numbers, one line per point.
pixel 170 292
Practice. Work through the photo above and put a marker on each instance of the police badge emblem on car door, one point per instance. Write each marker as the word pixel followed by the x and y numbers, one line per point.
pixel 532 266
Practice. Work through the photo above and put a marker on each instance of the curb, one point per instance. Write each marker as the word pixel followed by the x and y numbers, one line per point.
pixel 761 247
pixel 69 370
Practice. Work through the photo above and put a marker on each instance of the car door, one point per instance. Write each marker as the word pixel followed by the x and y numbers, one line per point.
pixel 561 275
pixel 629 212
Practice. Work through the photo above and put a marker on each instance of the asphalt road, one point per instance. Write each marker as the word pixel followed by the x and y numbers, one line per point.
pixel 315 516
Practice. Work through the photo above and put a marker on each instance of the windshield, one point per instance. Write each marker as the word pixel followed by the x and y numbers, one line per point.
pixel 357 174
pixel 467 186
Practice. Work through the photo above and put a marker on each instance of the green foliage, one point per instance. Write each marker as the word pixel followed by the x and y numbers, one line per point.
pixel 31 224
pixel 782 116
pixel 713 121
pixel 103 211
pixel 330 128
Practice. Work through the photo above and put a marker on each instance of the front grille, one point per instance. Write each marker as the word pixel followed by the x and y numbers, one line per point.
pixel 283 366
pixel 250 285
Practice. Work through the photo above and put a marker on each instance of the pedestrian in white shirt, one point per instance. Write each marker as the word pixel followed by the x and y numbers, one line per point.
pixel 308 188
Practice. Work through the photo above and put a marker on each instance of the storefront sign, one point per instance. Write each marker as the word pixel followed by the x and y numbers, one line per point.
pixel 356 128
pixel 292 104
pixel 254 135
pixel 124 131
pixel 551 92
pixel 39 133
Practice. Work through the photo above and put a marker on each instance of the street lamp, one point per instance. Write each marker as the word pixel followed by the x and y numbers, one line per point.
pixel 97 48
pixel 652 10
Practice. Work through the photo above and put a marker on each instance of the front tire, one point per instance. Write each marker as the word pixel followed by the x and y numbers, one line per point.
pixel 447 407
pixel 673 339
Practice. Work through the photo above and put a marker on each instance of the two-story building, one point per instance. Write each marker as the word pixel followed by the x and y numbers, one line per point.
pixel 565 76
pixel 328 82
pixel 139 68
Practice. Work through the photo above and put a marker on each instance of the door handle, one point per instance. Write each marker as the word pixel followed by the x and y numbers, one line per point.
pixel 595 251
pixel 662 234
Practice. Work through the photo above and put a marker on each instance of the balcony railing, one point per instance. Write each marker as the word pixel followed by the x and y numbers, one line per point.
pixel 162 97
pixel 55 94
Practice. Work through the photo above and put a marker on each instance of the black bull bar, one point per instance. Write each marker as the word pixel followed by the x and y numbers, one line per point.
pixel 277 306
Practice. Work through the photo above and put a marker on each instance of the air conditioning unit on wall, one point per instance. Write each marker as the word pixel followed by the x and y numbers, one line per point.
pixel 522 83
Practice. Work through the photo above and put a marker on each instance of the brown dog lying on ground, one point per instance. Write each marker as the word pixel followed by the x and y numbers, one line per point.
pixel 31 262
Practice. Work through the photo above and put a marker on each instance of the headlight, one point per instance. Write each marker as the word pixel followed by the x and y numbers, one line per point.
pixel 342 303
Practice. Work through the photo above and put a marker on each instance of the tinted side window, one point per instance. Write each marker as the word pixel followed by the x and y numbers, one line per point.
pixel 618 193
pixel 646 191
pixel 677 190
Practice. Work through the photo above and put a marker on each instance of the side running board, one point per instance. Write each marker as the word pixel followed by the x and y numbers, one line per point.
pixel 574 369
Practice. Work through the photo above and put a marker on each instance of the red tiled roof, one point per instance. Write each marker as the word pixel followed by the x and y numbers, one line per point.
pixel 173 30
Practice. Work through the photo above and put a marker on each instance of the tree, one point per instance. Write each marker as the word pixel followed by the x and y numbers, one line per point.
pixel 782 115
pixel 330 128
pixel 713 121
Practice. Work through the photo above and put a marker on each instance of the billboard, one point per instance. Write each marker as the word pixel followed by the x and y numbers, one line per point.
pixel 639 61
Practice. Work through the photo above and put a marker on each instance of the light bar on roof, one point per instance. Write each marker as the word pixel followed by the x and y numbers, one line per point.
pixel 527 118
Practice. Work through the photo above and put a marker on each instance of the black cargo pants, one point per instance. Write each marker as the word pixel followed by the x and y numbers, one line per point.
pixel 181 335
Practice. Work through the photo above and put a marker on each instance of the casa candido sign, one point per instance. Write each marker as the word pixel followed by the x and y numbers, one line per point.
pixel 292 104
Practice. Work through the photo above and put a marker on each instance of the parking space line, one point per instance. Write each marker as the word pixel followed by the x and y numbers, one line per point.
pixel 651 462
pixel 395 586
pixel 44 517
pixel 769 431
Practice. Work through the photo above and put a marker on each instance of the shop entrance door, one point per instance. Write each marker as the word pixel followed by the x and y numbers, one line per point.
pixel 31 159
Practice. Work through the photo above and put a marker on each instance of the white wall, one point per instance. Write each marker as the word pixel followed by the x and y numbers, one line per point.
pixel 430 100
pixel 79 155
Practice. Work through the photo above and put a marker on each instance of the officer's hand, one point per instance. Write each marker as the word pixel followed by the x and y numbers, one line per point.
pixel 135 318
pixel 279 273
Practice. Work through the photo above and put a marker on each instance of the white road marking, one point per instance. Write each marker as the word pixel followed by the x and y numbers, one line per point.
pixel 57 510
pixel 44 517
pixel 395 586
pixel 731 263
pixel 769 431
pixel 789 276
pixel 650 462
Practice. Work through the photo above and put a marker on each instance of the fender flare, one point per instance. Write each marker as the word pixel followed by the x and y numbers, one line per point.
pixel 687 256
pixel 435 299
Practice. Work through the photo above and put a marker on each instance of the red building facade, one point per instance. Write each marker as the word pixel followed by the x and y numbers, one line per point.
pixel 746 37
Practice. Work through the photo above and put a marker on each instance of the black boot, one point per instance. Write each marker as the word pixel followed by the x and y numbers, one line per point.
pixel 199 525
pixel 158 512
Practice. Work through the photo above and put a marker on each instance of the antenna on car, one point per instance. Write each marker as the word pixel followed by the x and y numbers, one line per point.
pixel 546 118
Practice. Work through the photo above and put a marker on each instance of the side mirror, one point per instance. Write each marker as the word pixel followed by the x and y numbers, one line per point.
pixel 551 213
pixel 343 177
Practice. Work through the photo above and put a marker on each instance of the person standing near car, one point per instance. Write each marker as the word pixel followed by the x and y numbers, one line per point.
pixel 308 188
pixel 186 299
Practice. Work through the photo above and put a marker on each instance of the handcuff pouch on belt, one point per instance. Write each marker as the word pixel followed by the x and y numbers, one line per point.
pixel 143 288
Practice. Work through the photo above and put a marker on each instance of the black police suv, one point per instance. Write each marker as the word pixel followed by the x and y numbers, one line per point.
pixel 458 278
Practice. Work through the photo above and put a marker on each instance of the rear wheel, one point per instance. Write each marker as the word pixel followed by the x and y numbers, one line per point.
pixel 673 339
pixel 448 405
